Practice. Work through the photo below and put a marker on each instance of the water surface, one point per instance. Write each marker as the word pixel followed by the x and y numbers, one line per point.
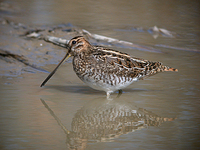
pixel 161 112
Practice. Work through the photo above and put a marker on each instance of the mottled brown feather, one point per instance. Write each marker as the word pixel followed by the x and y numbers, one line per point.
pixel 121 64
pixel 106 69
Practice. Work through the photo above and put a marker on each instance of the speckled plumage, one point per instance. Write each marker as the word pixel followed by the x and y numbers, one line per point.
pixel 106 69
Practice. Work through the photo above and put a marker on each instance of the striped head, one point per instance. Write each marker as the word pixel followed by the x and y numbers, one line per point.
pixel 79 45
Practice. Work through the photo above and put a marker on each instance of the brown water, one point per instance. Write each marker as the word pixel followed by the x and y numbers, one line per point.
pixel 161 112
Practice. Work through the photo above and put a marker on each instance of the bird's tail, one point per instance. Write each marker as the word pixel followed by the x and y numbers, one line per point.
pixel 154 68
pixel 166 68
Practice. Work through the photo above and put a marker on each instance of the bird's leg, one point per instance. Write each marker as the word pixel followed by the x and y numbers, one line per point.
pixel 108 95
pixel 119 93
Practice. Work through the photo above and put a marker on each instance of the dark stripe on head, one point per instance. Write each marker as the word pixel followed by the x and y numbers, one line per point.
pixel 77 37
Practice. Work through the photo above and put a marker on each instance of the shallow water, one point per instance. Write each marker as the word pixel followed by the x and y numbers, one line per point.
pixel 161 112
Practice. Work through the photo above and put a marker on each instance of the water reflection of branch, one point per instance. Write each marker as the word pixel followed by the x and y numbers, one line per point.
pixel 102 121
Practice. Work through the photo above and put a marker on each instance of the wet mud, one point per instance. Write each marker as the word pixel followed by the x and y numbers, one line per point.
pixel 161 112
pixel 28 49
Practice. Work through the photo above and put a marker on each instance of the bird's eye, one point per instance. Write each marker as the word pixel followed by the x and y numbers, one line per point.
pixel 73 42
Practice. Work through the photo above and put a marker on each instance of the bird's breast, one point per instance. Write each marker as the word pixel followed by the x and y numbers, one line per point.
pixel 100 75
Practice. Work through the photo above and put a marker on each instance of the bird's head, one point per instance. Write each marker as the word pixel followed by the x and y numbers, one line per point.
pixel 78 45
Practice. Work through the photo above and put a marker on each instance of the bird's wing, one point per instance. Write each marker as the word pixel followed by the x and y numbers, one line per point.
pixel 120 63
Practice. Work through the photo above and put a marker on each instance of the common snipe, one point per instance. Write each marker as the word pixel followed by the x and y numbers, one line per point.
pixel 106 69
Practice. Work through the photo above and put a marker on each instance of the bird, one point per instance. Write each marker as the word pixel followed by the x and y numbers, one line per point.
pixel 106 69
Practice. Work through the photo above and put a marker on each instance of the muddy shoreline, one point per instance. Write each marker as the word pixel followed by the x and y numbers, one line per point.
pixel 28 49
pixel 160 112
pixel 25 48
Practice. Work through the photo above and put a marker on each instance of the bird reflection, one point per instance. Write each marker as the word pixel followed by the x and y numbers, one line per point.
pixel 102 121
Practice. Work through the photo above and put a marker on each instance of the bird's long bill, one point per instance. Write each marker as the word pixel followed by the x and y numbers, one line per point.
pixel 52 73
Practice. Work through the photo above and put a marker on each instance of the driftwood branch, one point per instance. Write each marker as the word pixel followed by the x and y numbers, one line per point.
pixel 57 41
